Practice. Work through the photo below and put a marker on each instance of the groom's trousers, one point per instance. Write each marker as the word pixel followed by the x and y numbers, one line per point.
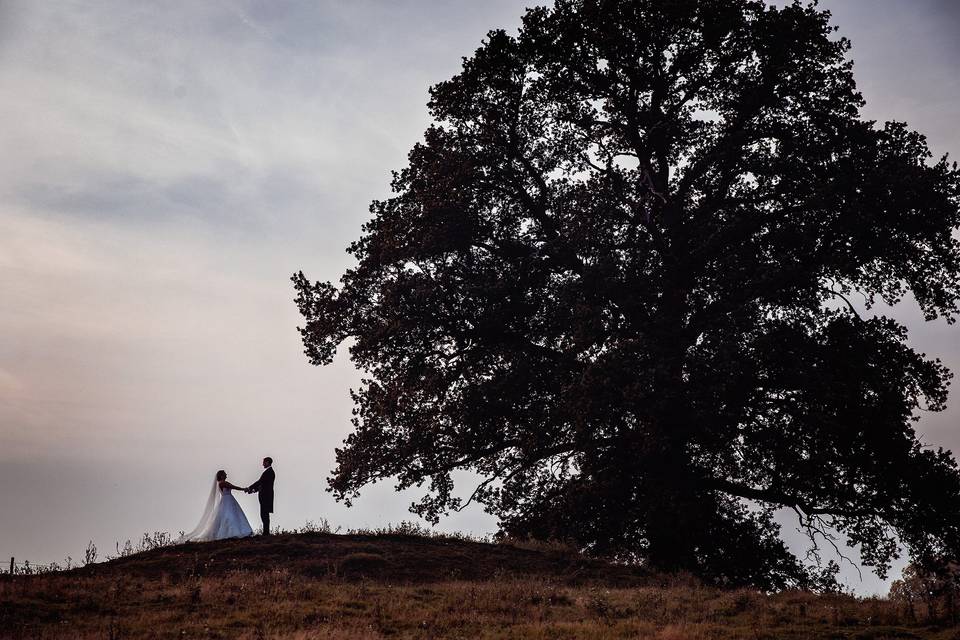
pixel 265 518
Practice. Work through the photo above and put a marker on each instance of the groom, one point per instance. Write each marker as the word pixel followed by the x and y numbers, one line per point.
pixel 264 490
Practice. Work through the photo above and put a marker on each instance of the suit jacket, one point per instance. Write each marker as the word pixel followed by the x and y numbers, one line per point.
pixel 264 489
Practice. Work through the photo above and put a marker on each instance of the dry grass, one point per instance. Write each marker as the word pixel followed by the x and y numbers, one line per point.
pixel 324 591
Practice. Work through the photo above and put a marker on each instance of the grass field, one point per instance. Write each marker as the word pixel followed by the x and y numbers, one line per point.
pixel 319 585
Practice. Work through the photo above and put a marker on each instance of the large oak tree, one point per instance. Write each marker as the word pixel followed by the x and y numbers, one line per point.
pixel 620 279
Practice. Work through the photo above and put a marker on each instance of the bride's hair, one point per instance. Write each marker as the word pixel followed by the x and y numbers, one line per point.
pixel 221 475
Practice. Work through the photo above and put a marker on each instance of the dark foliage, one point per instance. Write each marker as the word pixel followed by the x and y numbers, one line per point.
pixel 615 280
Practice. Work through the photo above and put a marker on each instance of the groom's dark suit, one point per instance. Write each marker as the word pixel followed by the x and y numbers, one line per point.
pixel 264 489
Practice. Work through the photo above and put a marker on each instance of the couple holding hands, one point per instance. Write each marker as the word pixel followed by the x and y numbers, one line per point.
pixel 224 518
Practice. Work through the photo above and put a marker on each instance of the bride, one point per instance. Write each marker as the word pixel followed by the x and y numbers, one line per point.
pixel 222 517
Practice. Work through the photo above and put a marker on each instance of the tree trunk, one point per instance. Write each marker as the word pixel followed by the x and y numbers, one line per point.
pixel 672 507
pixel 670 487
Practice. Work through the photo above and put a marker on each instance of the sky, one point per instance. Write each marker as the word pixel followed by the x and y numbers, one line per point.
pixel 168 166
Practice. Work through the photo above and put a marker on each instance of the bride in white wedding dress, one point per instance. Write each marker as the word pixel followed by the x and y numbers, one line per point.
pixel 222 517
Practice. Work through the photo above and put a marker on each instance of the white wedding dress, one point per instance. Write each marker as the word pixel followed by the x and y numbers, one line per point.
pixel 222 518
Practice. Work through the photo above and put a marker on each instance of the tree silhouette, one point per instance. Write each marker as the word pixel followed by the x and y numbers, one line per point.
pixel 617 281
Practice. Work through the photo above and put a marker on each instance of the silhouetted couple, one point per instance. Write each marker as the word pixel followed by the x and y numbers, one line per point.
pixel 223 517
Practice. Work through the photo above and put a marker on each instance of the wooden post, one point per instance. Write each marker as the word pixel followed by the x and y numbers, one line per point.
pixel 11 566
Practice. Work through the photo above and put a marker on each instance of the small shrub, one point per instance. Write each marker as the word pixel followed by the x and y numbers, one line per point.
pixel 532 544
pixel 362 563
pixel 90 555
pixel 321 526
pixel 599 604
pixel 318 569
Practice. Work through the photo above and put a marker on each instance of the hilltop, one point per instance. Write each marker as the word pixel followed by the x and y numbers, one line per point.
pixel 391 558
pixel 321 585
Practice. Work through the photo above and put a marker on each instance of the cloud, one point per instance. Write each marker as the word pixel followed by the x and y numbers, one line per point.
pixel 167 167
pixel 10 386
pixel 148 111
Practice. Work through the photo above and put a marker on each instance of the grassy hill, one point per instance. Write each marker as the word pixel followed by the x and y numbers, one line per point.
pixel 320 585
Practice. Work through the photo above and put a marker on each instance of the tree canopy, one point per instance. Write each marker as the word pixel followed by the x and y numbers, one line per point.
pixel 623 280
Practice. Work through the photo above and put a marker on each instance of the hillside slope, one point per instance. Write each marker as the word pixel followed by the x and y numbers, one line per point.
pixel 389 558
pixel 394 586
